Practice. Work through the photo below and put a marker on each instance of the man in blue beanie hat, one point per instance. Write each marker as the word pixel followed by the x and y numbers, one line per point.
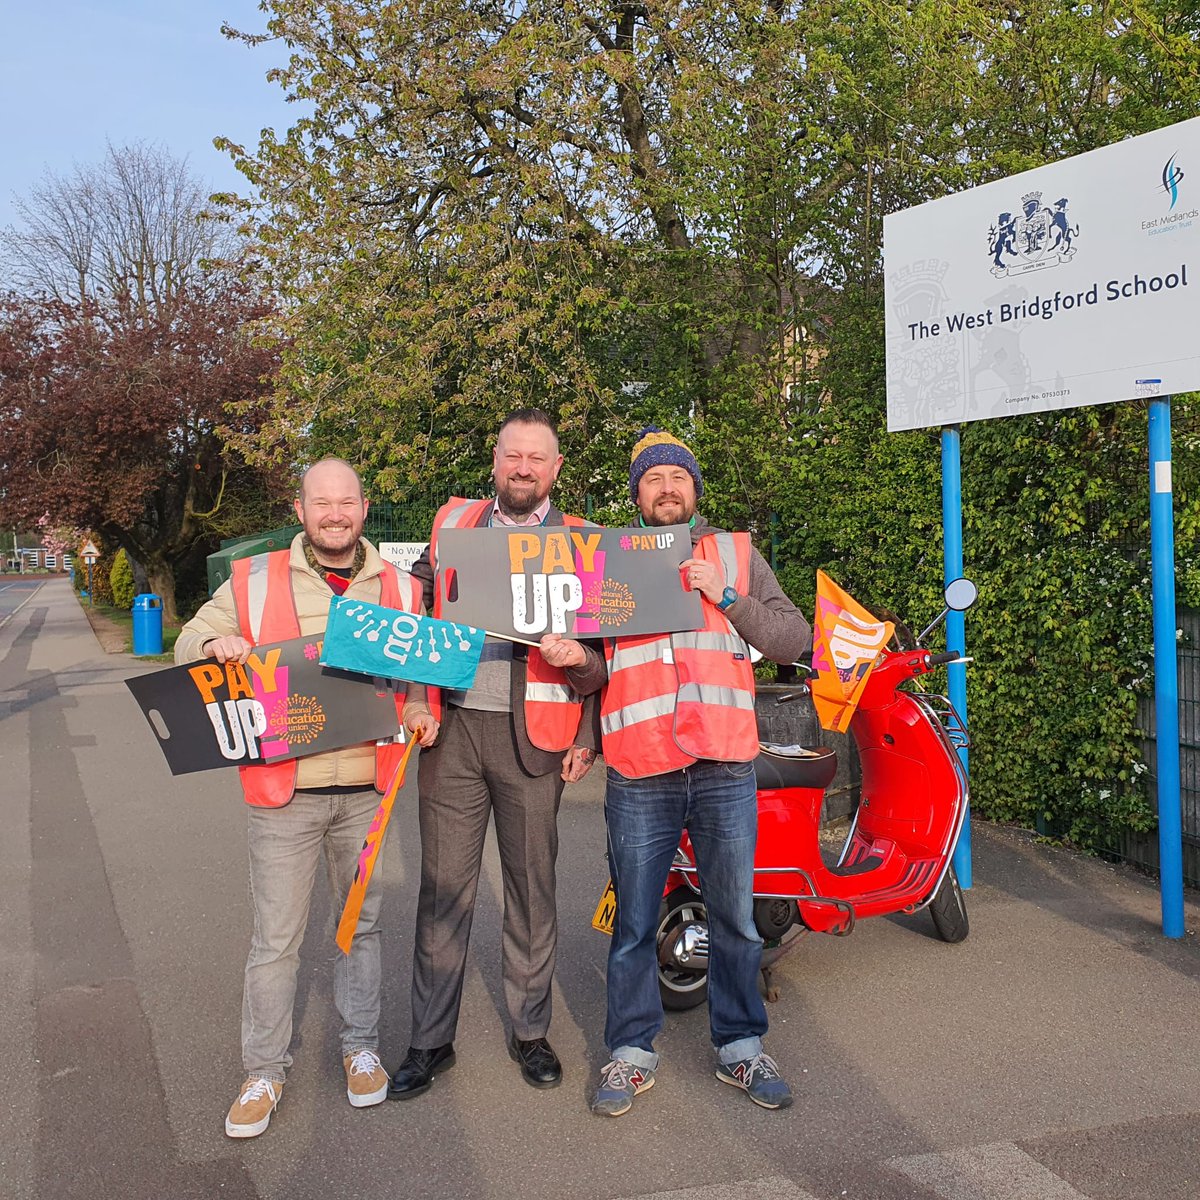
pixel 680 737
pixel 657 448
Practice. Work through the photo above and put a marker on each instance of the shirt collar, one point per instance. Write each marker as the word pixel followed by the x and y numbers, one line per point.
pixel 537 517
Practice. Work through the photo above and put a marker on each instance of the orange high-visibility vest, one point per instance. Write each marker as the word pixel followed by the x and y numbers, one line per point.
pixel 266 610
pixel 552 707
pixel 674 698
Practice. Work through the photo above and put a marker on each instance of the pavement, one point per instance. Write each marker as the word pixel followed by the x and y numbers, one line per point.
pixel 1053 1055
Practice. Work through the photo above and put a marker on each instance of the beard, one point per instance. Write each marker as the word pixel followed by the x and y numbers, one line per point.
pixel 518 498
pixel 333 543
pixel 679 514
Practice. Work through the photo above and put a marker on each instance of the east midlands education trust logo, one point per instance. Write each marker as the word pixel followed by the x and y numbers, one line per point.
pixel 1172 177
pixel 1037 237
pixel 1170 221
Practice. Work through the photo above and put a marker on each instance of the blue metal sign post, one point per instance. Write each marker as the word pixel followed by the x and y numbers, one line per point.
pixel 1117 307
pixel 956 635
pixel 1166 668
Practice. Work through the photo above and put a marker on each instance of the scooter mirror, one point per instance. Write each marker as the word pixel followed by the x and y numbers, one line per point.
pixel 960 594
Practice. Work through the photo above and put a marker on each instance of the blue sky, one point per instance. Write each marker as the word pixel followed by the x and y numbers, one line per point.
pixel 75 74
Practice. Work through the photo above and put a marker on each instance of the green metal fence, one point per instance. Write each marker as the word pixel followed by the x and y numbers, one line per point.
pixel 408 521
pixel 403 521
pixel 1142 849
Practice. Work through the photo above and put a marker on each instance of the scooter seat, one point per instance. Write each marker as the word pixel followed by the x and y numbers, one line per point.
pixel 794 766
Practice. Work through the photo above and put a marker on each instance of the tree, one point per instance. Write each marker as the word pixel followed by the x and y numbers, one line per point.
pixel 495 204
pixel 120 579
pixel 122 427
pixel 58 540
pixel 671 210
pixel 128 338
pixel 128 232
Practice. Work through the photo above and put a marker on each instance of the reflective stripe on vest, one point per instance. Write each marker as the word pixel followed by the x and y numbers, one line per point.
pixel 637 712
pixel 266 611
pixel 723 697
pixel 634 652
pixel 551 693
pixel 256 598
pixel 253 579
pixel 552 709
pixel 673 699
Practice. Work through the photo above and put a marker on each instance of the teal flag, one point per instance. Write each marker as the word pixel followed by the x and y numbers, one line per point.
pixel 386 642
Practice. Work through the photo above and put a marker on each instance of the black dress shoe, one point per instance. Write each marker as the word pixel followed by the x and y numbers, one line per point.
pixel 539 1064
pixel 417 1072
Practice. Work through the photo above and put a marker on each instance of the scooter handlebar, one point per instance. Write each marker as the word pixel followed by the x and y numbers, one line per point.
pixel 940 660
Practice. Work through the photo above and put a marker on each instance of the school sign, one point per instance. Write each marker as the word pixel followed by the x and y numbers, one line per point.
pixel 1076 283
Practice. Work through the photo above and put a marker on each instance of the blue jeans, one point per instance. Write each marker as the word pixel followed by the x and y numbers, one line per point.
pixel 286 847
pixel 716 803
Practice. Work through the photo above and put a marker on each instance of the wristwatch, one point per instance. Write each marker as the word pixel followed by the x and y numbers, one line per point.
pixel 728 596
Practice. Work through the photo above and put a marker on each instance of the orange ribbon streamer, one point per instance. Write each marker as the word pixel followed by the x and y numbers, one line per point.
pixel 370 851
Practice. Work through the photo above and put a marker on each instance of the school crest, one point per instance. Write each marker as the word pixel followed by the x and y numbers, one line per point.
pixel 1037 237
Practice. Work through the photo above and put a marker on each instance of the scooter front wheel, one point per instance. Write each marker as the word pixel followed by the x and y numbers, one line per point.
pixel 682 944
pixel 949 909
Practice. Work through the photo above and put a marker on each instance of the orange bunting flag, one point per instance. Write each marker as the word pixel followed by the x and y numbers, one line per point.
pixel 846 642
pixel 369 853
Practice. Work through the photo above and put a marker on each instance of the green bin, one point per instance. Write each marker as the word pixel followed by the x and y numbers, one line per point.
pixel 220 562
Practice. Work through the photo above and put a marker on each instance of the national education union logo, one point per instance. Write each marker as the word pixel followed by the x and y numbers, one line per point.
pixel 1037 237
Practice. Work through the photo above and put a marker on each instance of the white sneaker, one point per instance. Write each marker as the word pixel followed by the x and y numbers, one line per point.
pixel 251 1111
pixel 366 1080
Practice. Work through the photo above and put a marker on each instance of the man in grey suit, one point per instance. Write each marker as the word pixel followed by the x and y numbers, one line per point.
pixel 507 748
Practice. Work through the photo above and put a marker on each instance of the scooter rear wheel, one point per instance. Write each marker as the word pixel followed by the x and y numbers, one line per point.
pixel 949 909
pixel 680 989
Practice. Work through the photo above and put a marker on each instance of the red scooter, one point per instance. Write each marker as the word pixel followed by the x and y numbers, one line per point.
pixel 896 856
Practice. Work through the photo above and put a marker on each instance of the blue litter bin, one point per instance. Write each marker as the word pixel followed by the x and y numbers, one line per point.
pixel 147 624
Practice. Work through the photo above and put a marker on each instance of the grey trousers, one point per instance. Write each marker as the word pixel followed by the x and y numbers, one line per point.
pixel 286 846
pixel 473 772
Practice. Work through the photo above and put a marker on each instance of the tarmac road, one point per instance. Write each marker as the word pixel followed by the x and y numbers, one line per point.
pixel 1054 1055
pixel 14 592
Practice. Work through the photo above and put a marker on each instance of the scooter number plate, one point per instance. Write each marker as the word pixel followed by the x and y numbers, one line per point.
pixel 606 910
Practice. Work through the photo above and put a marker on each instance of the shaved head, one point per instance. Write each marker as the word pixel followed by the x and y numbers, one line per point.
pixel 320 466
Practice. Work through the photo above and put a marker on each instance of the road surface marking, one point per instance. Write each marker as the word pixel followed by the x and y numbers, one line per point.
pixel 996 1172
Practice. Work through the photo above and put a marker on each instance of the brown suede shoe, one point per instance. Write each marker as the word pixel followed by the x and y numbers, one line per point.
pixel 366 1080
pixel 251 1111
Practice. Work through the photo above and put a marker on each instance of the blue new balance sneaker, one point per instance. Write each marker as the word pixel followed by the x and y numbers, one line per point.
pixel 620 1081
pixel 759 1078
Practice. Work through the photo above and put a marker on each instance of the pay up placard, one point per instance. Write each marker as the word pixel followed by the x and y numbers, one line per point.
pixel 282 704
pixel 581 582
